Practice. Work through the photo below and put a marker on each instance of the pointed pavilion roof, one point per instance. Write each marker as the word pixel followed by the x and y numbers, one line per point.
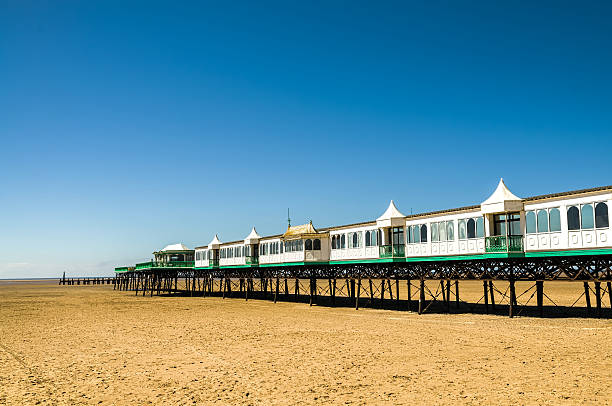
pixel 252 238
pixel 502 200
pixel 214 244
pixel 391 217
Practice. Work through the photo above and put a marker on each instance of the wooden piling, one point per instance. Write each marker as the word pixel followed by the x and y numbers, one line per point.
pixel 357 294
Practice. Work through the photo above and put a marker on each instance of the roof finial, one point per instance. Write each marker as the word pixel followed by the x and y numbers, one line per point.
pixel 288 218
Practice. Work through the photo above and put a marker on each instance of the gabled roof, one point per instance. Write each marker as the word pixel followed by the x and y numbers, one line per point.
pixel 391 217
pixel 175 247
pixel 252 238
pixel 502 200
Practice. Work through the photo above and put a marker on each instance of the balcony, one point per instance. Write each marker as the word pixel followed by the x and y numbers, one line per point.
pixel 502 243
pixel 252 260
pixel 392 251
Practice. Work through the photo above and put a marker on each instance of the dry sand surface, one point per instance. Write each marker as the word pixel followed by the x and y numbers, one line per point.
pixel 93 345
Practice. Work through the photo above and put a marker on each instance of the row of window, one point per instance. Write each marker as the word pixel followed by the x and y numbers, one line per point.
pixel 231 252
pixel 355 239
pixel 584 219
pixel 445 230
pixel 543 220
pixel 471 228
pixel 271 248
pixel 202 255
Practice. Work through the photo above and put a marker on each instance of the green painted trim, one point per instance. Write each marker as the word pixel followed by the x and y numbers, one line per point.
pixel 236 266
pixel 565 253
pixel 294 264
pixel 367 261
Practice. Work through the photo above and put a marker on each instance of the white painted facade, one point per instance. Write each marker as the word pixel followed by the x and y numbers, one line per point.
pixel 540 223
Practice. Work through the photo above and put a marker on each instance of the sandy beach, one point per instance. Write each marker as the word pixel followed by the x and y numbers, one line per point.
pixel 93 345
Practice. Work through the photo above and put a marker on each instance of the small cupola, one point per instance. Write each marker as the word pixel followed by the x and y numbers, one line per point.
pixel 392 217
pixel 501 201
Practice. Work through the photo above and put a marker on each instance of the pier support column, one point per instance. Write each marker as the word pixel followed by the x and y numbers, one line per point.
pixel 540 297
pixel 457 293
pixel 409 287
pixel 448 299
pixel 512 299
pixel 397 296
pixel 598 297
pixel 276 291
pixel 421 295
pixel 357 294
pixel 587 297
pixel 486 296
pixel 492 295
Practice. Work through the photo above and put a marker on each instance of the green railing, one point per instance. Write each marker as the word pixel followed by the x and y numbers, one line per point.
pixel 392 251
pixel 252 260
pixel 213 262
pixel 502 243
pixel 159 264
pixel 121 269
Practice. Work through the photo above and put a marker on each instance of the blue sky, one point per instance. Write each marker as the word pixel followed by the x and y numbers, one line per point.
pixel 126 126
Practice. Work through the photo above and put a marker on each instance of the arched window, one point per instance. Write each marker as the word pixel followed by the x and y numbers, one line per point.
pixel 554 222
pixel 343 241
pixel 530 222
pixel 601 215
pixel 442 230
pixel 355 240
pixel 316 244
pixel 471 228
pixel 368 242
pixel 434 231
pixel 573 218
pixel 542 221
pixel 586 215
pixel 462 230
pixel 450 230
pixel 424 233
pixel 479 227
pixel 308 245
pixel 375 237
